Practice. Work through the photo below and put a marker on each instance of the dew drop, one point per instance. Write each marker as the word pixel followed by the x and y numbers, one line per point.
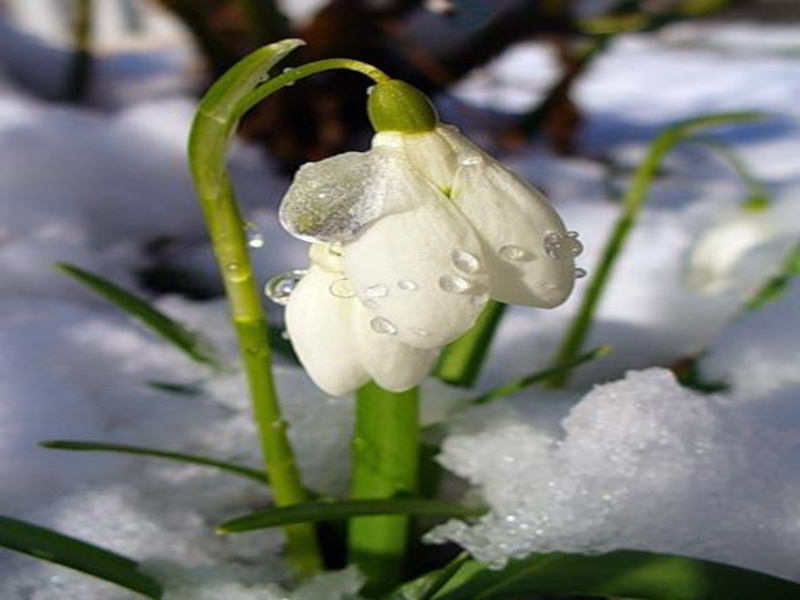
pixel 235 271
pixel 580 273
pixel 572 234
pixel 254 237
pixel 288 70
pixel 471 160
pixel 342 288
pixel 279 288
pixel 384 326
pixel 512 252
pixel 407 285
pixel 376 291
pixel 420 332
pixel 370 303
pixel 465 261
pixel 370 89
pixel 562 246
pixel 454 284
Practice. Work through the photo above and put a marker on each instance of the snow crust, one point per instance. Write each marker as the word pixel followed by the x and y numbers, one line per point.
pixel 637 463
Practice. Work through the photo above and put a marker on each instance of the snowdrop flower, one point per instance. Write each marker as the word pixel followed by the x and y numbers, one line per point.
pixel 409 242
pixel 742 251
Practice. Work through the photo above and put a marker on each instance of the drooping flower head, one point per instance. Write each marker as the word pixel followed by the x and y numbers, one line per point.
pixel 410 240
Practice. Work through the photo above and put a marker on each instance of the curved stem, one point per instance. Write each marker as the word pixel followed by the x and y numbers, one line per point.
pixel 631 206
pixel 212 129
pixel 294 74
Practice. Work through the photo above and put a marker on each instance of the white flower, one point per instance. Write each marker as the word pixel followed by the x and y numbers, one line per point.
pixel 410 240
pixel 743 250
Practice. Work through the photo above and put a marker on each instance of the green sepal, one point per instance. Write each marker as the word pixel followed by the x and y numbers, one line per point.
pixel 394 105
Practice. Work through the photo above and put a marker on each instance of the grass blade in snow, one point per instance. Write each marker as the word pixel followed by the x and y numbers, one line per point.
pixel 169 329
pixel 625 573
pixel 49 545
pixel 333 510
pixel 79 446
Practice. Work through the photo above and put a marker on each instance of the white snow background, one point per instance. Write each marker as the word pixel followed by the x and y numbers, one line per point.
pixel 635 462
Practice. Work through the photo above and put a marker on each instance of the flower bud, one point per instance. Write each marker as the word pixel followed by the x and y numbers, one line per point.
pixel 394 105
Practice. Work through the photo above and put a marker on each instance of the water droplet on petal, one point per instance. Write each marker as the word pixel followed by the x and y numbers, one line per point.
pixel 471 160
pixel 408 285
pixel 562 246
pixel 280 288
pixel 376 291
pixel 419 332
pixel 384 326
pixel 370 303
pixel 580 273
pixel 342 288
pixel 512 252
pixel 465 261
pixel 254 237
pixel 454 284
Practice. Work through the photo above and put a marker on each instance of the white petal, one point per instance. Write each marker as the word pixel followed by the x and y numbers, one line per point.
pixel 333 199
pixel 530 256
pixel 428 153
pixel 392 364
pixel 320 329
pixel 420 272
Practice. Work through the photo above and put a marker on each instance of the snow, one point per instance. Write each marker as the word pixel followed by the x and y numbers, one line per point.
pixel 635 462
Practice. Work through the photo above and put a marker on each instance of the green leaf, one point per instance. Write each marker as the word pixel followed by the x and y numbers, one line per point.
pixel 332 510
pixel 88 446
pixel 178 389
pixel 52 546
pixel 626 573
pixel 169 329
pixel 540 376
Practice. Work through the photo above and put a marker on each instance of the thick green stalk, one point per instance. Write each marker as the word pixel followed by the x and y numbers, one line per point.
pixel 460 363
pixel 631 206
pixel 385 465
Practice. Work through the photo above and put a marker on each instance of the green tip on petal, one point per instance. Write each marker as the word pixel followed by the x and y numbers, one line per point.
pixel 395 105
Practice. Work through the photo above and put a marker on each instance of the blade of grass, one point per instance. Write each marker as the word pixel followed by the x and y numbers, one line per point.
pixel 90 446
pixel 631 206
pixel 540 376
pixel 170 330
pixel 333 510
pixel 49 545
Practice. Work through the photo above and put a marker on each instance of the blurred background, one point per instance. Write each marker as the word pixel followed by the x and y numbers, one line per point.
pixel 106 53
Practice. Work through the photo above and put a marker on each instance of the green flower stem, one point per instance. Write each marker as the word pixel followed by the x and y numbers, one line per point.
pixel 244 85
pixel 631 206
pixel 385 465
pixel 293 74
pixel 230 246
pixel 213 127
pixel 461 361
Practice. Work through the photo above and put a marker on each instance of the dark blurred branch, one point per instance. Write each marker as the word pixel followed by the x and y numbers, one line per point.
pixel 80 74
